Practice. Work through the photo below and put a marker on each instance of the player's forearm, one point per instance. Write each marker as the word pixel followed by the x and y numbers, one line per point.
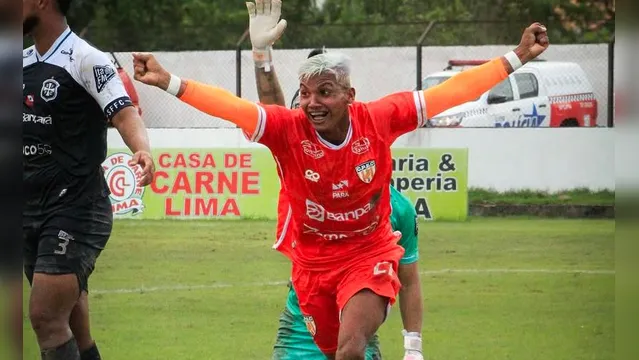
pixel 410 298
pixel 268 87
pixel 220 103
pixel 132 129
pixel 468 85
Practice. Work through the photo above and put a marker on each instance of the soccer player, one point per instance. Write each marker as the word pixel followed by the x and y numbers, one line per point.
pixel 71 92
pixel 293 339
pixel 345 256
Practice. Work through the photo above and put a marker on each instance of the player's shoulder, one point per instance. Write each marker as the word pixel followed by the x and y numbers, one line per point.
pixel 89 55
pixel 28 56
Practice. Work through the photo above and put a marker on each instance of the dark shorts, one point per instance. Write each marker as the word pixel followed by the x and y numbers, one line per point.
pixel 67 241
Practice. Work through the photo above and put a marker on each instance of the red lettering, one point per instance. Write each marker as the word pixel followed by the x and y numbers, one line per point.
pixel 202 207
pixel 245 161
pixel 180 161
pixel 187 206
pixel 208 161
pixel 203 179
pixel 117 160
pixel 194 160
pixel 230 160
pixel 250 178
pixel 223 181
pixel 154 183
pixel 230 206
pixel 168 208
pixel 164 160
pixel 181 183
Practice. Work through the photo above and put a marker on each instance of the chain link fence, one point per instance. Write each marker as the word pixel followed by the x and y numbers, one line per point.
pixel 386 58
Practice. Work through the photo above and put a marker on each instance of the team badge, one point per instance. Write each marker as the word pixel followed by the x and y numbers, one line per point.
pixel 49 89
pixel 126 195
pixel 366 171
pixel 310 325
pixel 361 146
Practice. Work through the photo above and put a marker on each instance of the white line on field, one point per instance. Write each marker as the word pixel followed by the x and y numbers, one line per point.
pixel 143 290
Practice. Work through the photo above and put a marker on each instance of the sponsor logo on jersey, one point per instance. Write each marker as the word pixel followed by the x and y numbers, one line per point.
pixel 317 212
pixel 49 90
pixel 340 190
pixel 102 75
pixel 366 171
pixel 36 149
pixel 27 54
pixel 44 120
pixel 126 195
pixel 312 150
pixel 361 146
pixel 310 325
pixel 312 175
pixel 337 235
pixel 29 100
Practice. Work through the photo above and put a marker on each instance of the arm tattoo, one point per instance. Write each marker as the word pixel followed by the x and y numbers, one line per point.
pixel 268 88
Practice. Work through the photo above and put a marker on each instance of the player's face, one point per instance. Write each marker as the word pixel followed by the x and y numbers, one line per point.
pixel 29 16
pixel 325 102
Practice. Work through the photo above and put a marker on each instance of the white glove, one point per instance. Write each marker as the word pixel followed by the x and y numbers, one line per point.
pixel 265 27
pixel 412 346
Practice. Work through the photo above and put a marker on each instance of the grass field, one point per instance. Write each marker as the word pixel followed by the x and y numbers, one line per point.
pixel 516 289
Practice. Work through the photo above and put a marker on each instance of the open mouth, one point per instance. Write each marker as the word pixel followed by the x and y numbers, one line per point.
pixel 318 117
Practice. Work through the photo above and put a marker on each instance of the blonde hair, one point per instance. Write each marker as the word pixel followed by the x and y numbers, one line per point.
pixel 334 63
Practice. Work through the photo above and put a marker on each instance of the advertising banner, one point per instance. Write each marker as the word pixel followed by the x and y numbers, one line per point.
pixel 243 183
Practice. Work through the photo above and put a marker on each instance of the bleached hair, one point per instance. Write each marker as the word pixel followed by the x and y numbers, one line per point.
pixel 333 62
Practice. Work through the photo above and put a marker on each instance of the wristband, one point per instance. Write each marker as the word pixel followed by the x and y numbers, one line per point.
pixel 174 85
pixel 262 58
pixel 513 60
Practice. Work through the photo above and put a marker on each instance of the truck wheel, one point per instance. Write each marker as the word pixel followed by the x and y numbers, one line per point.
pixel 569 123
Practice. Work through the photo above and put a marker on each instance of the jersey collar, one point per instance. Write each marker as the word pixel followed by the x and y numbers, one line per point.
pixel 56 45
pixel 337 147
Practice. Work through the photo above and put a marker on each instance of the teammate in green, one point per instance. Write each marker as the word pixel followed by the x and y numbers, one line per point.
pixel 294 341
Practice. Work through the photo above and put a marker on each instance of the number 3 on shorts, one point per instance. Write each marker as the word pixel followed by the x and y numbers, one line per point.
pixel 64 241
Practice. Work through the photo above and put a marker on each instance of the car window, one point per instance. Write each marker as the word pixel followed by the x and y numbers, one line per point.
pixel 527 84
pixel 503 89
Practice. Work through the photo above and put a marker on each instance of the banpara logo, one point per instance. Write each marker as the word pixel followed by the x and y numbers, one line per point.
pixel 126 195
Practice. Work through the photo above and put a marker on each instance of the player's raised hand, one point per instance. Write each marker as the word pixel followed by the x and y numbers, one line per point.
pixel 145 161
pixel 265 27
pixel 534 41
pixel 147 70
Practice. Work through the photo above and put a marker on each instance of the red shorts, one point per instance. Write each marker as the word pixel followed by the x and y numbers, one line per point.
pixel 323 294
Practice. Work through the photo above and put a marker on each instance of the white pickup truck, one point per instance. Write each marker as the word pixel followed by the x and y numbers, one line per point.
pixel 539 94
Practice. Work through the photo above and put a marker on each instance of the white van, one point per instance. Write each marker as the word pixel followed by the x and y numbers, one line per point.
pixel 539 94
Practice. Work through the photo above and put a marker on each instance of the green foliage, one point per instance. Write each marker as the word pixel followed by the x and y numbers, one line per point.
pixel 171 25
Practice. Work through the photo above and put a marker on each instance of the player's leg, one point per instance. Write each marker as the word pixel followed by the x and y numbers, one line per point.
pixel 294 340
pixel 80 326
pixel 316 293
pixel 364 296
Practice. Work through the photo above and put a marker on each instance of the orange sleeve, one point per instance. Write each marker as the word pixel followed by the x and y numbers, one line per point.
pixel 222 103
pixel 464 87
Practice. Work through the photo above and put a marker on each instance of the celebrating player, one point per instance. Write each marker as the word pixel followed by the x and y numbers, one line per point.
pixel 345 256
pixel 71 92
pixel 293 339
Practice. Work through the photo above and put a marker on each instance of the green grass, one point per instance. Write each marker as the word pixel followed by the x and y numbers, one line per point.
pixel 529 197
pixel 486 315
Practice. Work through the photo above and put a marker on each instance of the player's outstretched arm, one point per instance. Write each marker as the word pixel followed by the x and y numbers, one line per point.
pixel 470 84
pixel 212 100
pixel 131 127
pixel 265 27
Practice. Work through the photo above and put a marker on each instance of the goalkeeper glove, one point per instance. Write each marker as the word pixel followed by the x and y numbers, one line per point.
pixel 412 346
pixel 265 27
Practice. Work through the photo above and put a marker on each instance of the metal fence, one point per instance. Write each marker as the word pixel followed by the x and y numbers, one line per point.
pixel 387 58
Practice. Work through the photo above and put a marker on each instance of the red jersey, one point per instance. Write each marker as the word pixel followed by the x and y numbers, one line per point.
pixel 338 195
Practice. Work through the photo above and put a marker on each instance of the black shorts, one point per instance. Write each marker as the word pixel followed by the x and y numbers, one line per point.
pixel 67 241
